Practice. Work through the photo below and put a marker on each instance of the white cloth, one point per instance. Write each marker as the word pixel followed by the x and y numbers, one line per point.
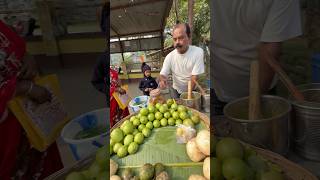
pixel 238 28
pixel 183 66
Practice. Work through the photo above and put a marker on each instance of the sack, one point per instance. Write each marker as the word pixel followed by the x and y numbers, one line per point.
pixel 42 122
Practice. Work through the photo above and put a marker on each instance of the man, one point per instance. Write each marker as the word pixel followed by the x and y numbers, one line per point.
pixel 100 73
pixel 185 63
pixel 245 31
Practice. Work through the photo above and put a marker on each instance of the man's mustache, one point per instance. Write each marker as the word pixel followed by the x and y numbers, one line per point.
pixel 178 46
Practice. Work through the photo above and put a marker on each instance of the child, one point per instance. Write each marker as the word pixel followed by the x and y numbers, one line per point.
pixel 148 83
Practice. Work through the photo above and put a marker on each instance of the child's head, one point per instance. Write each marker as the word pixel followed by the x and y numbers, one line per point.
pixel 146 70
pixel 147 73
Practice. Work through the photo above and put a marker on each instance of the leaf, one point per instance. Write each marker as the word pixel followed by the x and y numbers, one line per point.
pixel 162 147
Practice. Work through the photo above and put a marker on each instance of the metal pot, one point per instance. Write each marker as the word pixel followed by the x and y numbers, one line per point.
pixel 195 102
pixel 306 123
pixel 206 101
pixel 271 132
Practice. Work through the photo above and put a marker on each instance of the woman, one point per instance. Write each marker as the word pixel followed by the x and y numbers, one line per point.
pixel 18 160
pixel 116 113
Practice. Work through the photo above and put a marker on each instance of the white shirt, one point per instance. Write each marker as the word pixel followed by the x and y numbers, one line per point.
pixel 239 27
pixel 183 66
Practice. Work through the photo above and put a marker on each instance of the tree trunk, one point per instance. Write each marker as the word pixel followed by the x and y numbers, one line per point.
pixel 190 17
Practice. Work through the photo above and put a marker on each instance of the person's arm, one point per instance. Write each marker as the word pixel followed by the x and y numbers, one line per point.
pixel 99 74
pixel 142 86
pixel 163 83
pixel 266 72
pixel 155 84
pixel 193 78
pixel 35 92
pixel 282 23
pixel 198 68
pixel 29 68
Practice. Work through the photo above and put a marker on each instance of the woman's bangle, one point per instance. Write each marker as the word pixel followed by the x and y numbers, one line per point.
pixel 30 88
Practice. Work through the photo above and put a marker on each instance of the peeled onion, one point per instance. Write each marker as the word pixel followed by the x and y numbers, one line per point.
pixel 203 141
pixel 115 177
pixel 193 152
pixel 206 168
pixel 196 177
pixel 113 167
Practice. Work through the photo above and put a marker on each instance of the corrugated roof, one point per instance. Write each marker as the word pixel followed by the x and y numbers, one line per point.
pixel 70 11
pixel 138 18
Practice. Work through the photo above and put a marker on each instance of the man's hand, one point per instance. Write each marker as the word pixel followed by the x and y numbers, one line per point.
pixel 29 69
pixel 163 82
pixel 40 94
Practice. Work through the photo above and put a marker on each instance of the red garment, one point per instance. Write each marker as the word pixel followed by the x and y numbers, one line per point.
pixel 116 113
pixel 16 153
pixel 11 140
pixel 12 50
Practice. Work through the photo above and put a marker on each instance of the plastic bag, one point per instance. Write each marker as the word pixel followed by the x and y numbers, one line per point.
pixel 184 133
pixel 42 122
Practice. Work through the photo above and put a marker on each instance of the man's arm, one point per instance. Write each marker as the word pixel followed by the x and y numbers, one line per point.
pixel 266 72
pixel 193 78
pixel 163 81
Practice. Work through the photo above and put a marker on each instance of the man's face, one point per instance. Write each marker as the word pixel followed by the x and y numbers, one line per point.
pixel 180 39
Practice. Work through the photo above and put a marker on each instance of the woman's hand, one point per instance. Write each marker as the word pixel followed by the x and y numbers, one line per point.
pixel 121 91
pixel 39 94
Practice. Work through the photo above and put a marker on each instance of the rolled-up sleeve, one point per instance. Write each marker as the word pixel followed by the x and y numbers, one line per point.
pixel 283 21
pixel 198 68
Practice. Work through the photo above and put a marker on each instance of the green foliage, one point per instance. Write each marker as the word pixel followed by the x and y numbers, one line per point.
pixel 201 20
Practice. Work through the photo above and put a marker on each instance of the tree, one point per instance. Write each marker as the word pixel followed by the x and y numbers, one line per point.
pixel 201 20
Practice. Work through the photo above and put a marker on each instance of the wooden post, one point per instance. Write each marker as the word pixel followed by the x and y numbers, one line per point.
pixel 190 17
pixel 44 9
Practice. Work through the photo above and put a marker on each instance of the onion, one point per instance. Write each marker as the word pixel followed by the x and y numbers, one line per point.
pixel 196 177
pixel 203 141
pixel 113 167
pixel 193 152
pixel 206 168
pixel 115 177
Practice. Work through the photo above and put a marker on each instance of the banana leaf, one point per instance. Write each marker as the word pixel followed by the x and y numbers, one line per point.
pixel 162 147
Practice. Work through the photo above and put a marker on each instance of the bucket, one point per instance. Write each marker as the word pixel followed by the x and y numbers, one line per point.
pixel 194 103
pixel 82 148
pixel 137 103
pixel 315 68
pixel 271 132
pixel 306 123
pixel 206 101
